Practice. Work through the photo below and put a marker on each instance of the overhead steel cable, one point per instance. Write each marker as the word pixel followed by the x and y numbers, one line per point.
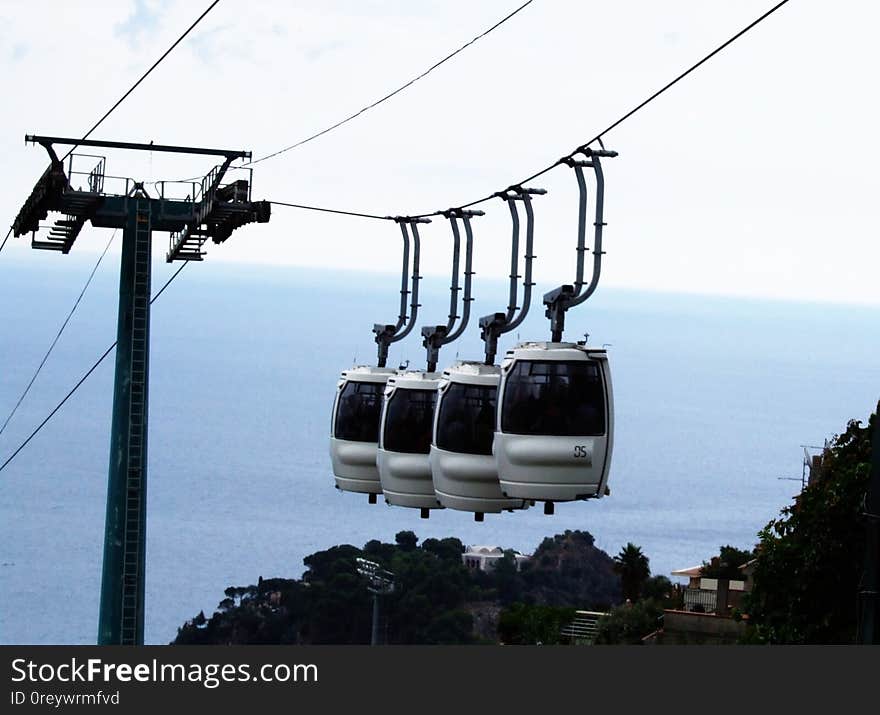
pixel 83 378
pixel 58 334
pixel 581 148
pixel 101 257
pixel 332 211
pixel 631 112
pixel 130 90
pixel 145 75
pixel 390 94
pixel 680 77
pixel 598 137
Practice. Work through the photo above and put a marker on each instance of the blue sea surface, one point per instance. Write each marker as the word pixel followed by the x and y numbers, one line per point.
pixel 713 398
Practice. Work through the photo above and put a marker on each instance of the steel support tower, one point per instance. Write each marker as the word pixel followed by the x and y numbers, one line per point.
pixel 212 209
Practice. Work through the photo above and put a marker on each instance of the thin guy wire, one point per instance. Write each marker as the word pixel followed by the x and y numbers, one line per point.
pixel 632 111
pixel 8 234
pixel 58 334
pixel 391 94
pixel 332 211
pixel 598 136
pixel 132 89
pixel 83 378
pixel 143 77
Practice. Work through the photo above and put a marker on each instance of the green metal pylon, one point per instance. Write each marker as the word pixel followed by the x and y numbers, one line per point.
pixel 121 620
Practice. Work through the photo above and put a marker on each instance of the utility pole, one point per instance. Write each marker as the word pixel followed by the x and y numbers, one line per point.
pixel 868 602
pixel 380 582
pixel 212 209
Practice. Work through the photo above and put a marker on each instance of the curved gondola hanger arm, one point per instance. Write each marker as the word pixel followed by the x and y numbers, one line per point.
pixel 567 296
pixel 466 215
pixel 436 336
pixel 388 333
pixel 511 196
pixel 496 324
pixel 525 195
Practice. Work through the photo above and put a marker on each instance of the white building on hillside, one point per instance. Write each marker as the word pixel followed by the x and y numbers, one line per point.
pixel 485 557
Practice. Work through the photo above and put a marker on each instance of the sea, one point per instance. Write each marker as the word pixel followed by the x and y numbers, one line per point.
pixel 714 398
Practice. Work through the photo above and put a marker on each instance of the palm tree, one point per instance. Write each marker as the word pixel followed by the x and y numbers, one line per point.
pixel 632 567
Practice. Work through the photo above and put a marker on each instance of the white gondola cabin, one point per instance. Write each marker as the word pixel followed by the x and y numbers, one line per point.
pixel 405 440
pixel 354 436
pixel 462 466
pixel 555 422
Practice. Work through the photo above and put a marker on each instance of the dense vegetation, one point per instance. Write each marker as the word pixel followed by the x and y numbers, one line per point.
pixel 807 564
pixel 646 597
pixel 727 564
pixel 810 559
pixel 436 598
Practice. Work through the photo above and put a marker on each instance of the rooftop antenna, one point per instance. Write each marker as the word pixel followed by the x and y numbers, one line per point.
pixel 808 464
pixel 213 209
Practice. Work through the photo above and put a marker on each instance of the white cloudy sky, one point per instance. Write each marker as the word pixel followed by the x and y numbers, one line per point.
pixel 756 176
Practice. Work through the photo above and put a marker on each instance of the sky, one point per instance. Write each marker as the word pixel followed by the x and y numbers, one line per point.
pixel 755 177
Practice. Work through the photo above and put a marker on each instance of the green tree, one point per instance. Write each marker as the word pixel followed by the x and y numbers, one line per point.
pixel 236 593
pixel 630 623
pixel 657 588
pixel 506 577
pixel 436 599
pixel 449 627
pixel 568 570
pixel 529 624
pixel 727 564
pixel 449 549
pixel 809 560
pixel 406 540
pixel 375 550
pixel 632 567
pixel 323 565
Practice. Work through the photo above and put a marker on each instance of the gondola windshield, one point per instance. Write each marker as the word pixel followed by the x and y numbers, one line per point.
pixel 466 420
pixel 409 419
pixel 360 407
pixel 554 398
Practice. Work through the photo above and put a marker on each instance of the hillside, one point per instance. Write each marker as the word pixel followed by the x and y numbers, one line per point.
pixel 436 598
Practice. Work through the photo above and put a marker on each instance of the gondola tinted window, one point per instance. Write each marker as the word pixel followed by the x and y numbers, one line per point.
pixel 409 421
pixel 466 422
pixel 357 416
pixel 554 398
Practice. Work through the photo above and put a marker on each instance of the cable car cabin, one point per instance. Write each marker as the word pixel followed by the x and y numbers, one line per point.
pixel 555 422
pixel 354 438
pixel 405 440
pixel 462 466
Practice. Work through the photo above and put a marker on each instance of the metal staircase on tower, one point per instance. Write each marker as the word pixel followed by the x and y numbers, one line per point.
pixel 212 209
